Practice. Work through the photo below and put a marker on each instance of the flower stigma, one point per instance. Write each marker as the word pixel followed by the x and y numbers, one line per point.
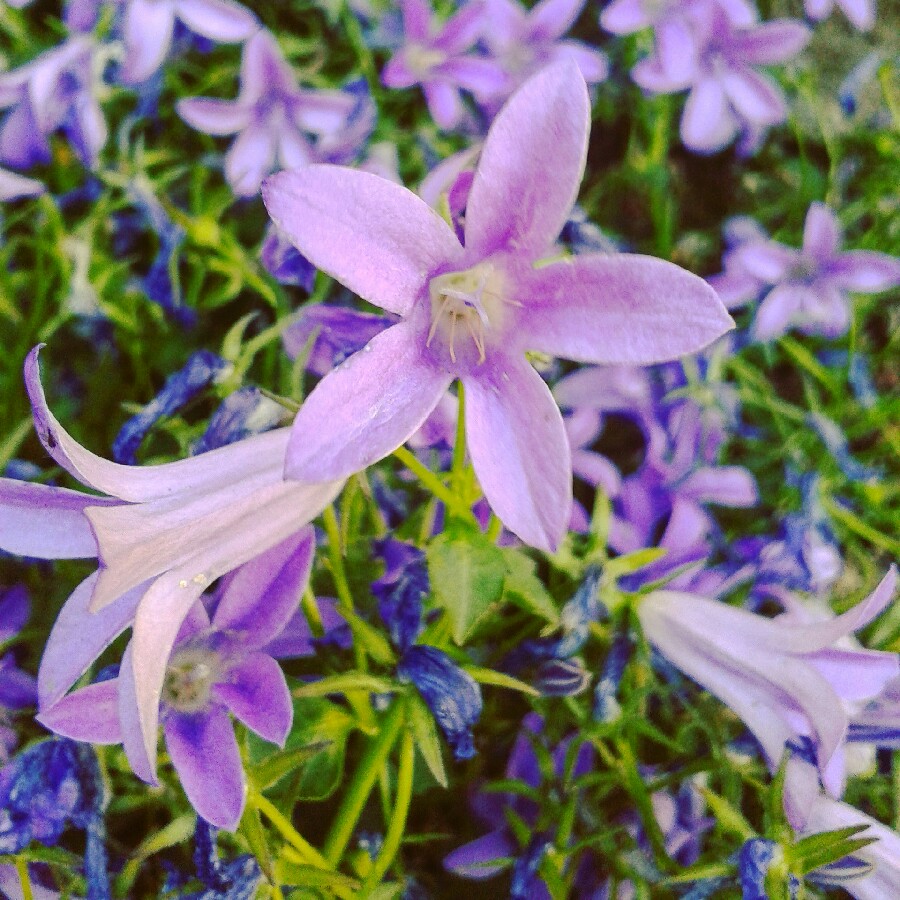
pixel 466 302
pixel 189 679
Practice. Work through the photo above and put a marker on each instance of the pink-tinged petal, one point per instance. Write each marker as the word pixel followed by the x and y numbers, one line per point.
pixel 779 310
pixel 707 124
pixel 531 165
pixel 476 859
pixel 78 637
pixel 218 20
pixel 626 308
pixel 865 271
pixel 217 117
pixel 416 19
pixel 257 693
pixel 14 187
pixel 148 36
pixel 216 470
pixel 366 408
pixel 89 714
pixel 725 485
pixel 626 16
pixel 519 449
pixel 398 241
pixel 267 518
pixel 249 159
pixel 208 762
pixel 444 103
pixel 772 42
pixel 46 522
pixel 821 233
pixel 551 19
pixel 755 97
pixel 860 12
pixel 260 597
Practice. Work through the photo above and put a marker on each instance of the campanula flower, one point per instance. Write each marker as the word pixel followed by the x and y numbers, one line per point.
pixel 18 689
pixel 148 26
pixel 861 13
pixel 162 535
pixel 786 680
pixel 470 312
pixel 401 590
pixel 440 59
pixel 242 414
pixel 218 664
pixel 278 124
pixel 58 90
pixel 284 262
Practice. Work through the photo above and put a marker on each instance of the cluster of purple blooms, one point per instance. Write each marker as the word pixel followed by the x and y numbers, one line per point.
pixel 205 559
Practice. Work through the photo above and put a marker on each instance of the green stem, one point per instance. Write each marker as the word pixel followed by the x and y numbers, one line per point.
pixel 364 779
pixel 24 880
pixel 397 824
pixel 459 445
pixel 432 482
pixel 282 824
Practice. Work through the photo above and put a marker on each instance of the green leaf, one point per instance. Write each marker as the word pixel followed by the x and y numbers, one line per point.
pixel 282 763
pixel 525 589
pixel 501 679
pixel 291 873
pixel 346 681
pixel 467 573
pixel 821 849
pixel 428 742
pixel 632 562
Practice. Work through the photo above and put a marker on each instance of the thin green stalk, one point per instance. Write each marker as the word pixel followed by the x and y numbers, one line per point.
pixel 24 880
pixel 459 445
pixel 283 826
pixel 432 482
pixel 397 825
pixel 363 781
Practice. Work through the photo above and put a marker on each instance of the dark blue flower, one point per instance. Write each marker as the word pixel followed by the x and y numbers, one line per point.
pixel 401 590
pixel 561 677
pixel 284 262
pixel 754 860
pixel 606 707
pixel 201 370
pixel 451 694
pixel 240 415
pixel 525 880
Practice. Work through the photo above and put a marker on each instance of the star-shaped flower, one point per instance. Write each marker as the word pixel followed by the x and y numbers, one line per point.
pixel 471 311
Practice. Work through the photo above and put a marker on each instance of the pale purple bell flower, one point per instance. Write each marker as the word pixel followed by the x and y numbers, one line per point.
pixel 15 187
pixel 56 91
pixel 441 58
pixel 278 124
pixel 471 312
pixel 220 664
pixel 162 534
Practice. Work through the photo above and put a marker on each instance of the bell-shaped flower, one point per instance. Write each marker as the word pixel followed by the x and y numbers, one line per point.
pixel 162 535
pixel 471 311
pixel 789 682
pixel 148 26
pixel 438 58
pixel 278 124
pixel 220 663
pixel 57 90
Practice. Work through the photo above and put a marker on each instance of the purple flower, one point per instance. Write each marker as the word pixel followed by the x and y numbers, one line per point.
pixel 55 91
pixel 882 879
pixel 728 95
pixel 860 12
pixel 161 535
pixel 525 40
pixel 218 664
pixel 470 312
pixel 788 681
pixel 401 590
pixel 808 287
pixel 242 414
pixel 278 124
pixel 438 58
pixel 284 263
pixel 149 24
pixel 18 689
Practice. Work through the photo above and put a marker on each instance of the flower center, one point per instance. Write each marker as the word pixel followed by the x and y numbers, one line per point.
pixel 189 679
pixel 467 304
pixel 423 59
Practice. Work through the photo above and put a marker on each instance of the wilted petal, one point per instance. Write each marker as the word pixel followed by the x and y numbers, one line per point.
pixel 477 858
pixel 617 309
pixel 366 408
pixel 206 756
pixel 398 241
pixel 89 714
pixel 218 117
pixel 531 165
pixel 218 20
pixel 257 693
pixel 519 449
